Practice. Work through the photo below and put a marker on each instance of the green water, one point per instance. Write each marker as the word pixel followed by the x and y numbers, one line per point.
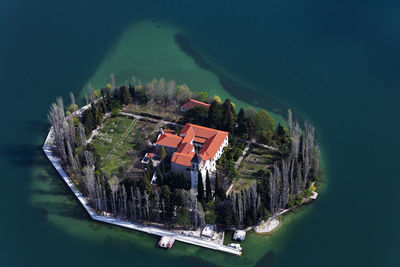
pixel 335 63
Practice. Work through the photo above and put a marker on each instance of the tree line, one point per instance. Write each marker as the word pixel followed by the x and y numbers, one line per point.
pixel 171 202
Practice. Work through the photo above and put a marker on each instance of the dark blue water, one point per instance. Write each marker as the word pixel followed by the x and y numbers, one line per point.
pixel 336 62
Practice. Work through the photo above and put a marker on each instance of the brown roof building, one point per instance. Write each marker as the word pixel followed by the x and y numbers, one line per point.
pixel 191 103
pixel 196 148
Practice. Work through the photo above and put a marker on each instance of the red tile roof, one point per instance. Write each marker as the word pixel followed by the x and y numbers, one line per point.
pixel 191 103
pixel 211 138
pixel 185 148
pixel 182 158
pixel 200 140
pixel 170 140
pixel 212 145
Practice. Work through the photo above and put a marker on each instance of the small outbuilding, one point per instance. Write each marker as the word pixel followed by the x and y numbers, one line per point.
pixel 208 231
pixel 239 235
pixel 192 103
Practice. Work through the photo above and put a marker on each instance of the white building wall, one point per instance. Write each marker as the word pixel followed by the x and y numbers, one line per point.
pixel 209 165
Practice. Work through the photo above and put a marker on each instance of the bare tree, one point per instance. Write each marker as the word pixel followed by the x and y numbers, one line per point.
pixel 91 93
pixel 112 81
pixel 308 145
pixel 274 188
pixel 56 117
pixel 290 121
pixel 73 103
pixel 285 184
pixel 316 160
pixel 82 134
pixel 171 90
pixel 134 82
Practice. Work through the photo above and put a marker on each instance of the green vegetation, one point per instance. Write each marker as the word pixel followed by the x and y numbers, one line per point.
pixel 119 141
pixel 108 170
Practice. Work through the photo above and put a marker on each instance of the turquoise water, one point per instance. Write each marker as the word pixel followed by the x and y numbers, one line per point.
pixel 335 62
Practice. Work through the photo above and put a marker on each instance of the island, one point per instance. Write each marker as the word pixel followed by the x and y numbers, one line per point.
pixel 161 159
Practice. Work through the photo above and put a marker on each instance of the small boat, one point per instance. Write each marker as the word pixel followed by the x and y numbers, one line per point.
pixel 166 242
pixel 235 246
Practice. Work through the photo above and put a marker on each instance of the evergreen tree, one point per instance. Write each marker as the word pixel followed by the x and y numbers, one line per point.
pixel 149 170
pixel 163 153
pixel 200 187
pixel 124 95
pixel 250 127
pixel 215 115
pixel 103 107
pixel 88 121
pixel 217 187
pixel 208 187
pixel 229 116
pixel 132 91
pixel 241 120
pixel 280 131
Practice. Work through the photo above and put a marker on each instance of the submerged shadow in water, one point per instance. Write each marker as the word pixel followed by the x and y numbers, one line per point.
pixel 22 154
pixel 266 260
pixel 236 89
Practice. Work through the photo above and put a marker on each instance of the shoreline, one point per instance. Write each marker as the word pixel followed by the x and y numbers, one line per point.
pixel 123 223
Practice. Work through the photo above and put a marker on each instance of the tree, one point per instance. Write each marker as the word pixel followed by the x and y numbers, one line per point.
pixel 217 187
pixel 202 96
pixel 88 121
pixel 149 170
pixel 182 218
pixel 200 187
pixel 56 117
pixel 124 95
pixel 215 115
pixel 112 81
pixel 250 112
pixel 230 170
pixel 217 99
pixel 162 153
pixel 229 116
pixel 263 122
pixel 241 120
pixel 132 91
pixel 144 183
pixel 208 187
pixel 197 115
pixel 183 93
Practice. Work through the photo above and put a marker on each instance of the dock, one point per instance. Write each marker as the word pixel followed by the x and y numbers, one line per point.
pixel 166 242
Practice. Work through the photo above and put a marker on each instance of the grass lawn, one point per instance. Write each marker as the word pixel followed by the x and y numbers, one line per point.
pixel 119 141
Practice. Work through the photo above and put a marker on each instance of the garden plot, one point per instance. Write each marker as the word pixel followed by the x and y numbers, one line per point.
pixel 119 141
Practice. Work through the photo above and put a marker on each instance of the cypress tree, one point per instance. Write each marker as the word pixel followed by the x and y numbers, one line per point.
pixel 229 116
pixel 215 115
pixel 124 96
pixel 200 187
pixel 217 187
pixel 241 119
pixel 132 91
pixel 149 169
pixel 212 120
pixel 208 187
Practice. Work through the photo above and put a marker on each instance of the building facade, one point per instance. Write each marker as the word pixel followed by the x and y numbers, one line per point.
pixel 197 148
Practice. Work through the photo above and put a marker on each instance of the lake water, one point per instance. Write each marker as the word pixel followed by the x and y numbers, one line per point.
pixel 336 63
